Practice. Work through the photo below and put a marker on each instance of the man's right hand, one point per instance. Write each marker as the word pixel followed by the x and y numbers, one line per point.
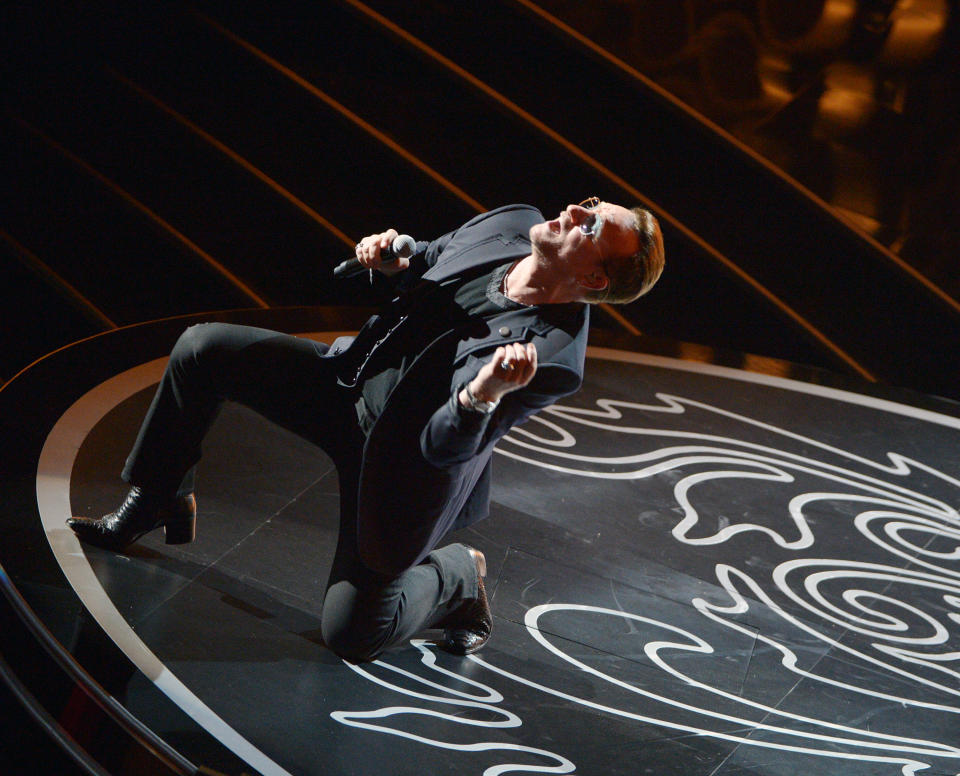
pixel 368 252
pixel 511 367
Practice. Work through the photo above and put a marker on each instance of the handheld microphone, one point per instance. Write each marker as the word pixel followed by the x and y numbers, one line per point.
pixel 402 248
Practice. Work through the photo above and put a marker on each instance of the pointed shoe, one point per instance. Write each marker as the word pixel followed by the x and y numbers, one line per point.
pixel 468 628
pixel 138 515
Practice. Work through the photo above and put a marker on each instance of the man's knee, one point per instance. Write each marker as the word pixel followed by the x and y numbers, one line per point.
pixel 356 623
pixel 203 346
pixel 351 641
pixel 198 340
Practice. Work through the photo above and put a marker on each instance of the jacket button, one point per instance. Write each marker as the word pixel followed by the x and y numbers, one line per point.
pixel 505 331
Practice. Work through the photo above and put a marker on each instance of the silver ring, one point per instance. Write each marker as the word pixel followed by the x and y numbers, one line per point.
pixel 506 366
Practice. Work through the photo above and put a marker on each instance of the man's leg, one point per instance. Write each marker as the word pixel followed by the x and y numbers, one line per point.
pixel 365 612
pixel 280 376
pixel 284 379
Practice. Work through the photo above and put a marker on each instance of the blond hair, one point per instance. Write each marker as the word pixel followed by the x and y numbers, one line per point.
pixel 630 277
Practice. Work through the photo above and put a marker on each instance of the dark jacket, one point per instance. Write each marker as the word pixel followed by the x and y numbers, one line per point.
pixel 427 461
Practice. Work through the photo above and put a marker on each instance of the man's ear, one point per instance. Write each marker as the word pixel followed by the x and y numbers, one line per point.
pixel 595 281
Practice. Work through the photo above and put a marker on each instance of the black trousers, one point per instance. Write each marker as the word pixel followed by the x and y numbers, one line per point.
pixel 284 378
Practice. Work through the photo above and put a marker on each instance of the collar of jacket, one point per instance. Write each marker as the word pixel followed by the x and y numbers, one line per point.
pixel 469 254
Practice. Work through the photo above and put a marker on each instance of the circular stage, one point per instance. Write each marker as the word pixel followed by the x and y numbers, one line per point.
pixel 694 569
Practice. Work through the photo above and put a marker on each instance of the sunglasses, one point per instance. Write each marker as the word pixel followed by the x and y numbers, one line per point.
pixel 593 223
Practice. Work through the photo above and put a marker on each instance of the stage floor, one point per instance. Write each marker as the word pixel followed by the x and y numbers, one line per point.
pixel 693 570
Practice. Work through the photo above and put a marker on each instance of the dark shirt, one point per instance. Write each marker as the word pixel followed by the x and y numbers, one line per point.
pixel 456 302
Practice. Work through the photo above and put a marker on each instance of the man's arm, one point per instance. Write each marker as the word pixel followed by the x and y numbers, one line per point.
pixel 458 430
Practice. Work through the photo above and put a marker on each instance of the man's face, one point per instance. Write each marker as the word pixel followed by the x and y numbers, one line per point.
pixel 581 238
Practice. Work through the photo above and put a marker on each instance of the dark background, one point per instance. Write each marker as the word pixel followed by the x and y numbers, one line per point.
pixel 165 159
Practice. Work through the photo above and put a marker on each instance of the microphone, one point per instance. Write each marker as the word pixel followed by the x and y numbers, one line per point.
pixel 402 248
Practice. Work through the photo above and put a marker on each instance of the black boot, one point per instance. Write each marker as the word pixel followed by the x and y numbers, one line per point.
pixel 139 514
pixel 469 626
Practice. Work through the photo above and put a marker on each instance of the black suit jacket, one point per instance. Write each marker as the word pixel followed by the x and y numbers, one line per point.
pixel 427 461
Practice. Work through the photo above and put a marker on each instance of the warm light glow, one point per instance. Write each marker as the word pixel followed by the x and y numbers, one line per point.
pixel 767 366
pixel 789 24
pixel 916 31
pixel 848 101
pixel 690 351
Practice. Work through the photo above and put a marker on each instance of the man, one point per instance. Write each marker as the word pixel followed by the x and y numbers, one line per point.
pixel 489 325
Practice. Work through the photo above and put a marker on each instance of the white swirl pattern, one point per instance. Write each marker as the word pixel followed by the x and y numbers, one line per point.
pixel 898 617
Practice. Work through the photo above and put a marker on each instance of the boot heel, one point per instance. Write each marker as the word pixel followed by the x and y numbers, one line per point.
pixel 181 531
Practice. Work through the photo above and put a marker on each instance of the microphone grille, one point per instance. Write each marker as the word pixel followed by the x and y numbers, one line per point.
pixel 404 246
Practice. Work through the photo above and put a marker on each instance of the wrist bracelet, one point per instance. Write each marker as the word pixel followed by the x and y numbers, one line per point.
pixel 484 407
